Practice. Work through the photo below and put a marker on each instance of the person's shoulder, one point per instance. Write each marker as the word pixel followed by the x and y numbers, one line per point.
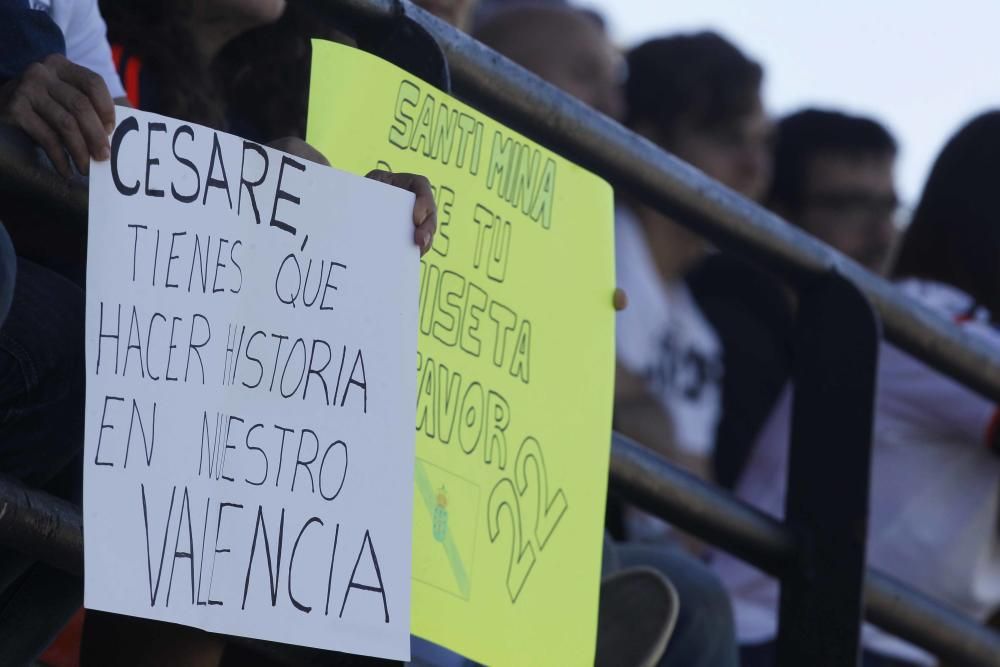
pixel 633 261
pixel 729 271
pixel 26 36
pixel 955 305
pixel 61 12
pixel 726 277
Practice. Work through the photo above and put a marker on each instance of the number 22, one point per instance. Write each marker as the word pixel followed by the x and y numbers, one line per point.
pixel 548 518
pixel 518 569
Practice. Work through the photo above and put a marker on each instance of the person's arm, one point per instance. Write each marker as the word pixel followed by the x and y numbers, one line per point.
pixel 87 44
pixel 752 315
pixel 424 208
pixel 62 107
pixel 640 416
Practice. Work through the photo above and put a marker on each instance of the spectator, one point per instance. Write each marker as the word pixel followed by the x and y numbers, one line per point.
pixel 935 473
pixel 41 325
pixel 833 177
pixel 173 49
pixel 63 106
pixel 166 51
pixel 699 97
pixel 583 63
pixel 264 74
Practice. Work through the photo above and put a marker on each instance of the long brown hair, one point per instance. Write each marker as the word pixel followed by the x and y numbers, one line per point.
pixel 157 32
pixel 954 237
pixel 265 75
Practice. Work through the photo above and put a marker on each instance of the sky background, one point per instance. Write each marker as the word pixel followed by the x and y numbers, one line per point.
pixel 922 67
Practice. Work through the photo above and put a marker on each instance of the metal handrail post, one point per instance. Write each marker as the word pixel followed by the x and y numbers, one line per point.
pixel 828 477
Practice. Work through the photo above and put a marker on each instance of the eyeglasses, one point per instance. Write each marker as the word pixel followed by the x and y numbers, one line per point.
pixel 854 204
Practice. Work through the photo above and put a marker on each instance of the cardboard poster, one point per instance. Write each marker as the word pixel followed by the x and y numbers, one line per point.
pixel 515 363
pixel 250 342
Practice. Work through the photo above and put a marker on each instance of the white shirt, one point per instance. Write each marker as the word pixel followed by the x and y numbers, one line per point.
pixel 663 337
pixel 933 515
pixel 86 37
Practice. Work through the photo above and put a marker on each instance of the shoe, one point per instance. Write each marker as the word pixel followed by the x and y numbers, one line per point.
pixel 636 617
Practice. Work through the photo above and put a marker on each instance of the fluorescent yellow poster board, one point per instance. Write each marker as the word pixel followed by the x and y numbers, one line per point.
pixel 515 363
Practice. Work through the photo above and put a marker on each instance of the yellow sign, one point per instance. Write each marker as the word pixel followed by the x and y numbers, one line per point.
pixel 515 362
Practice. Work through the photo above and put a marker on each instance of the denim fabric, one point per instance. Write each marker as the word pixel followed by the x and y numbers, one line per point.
pixel 8 269
pixel 765 655
pixel 42 379
pixel 428 654
pixel 41 437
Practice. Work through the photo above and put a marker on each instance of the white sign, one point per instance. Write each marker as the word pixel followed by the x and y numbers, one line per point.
pixel 251 345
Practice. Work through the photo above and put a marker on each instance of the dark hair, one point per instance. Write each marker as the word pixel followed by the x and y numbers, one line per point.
pixel 486 10
pixel 258 84
pixel 264 74
pixel 156 32
pixel 954 237
pixel 698 77
pixel 804 135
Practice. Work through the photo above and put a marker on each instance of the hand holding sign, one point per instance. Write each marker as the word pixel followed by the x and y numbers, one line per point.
pixel 424 209
pixel 251 335
pixel 60 104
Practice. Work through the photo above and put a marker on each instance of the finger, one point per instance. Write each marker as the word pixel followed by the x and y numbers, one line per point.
pixel 87 119
pixel 62 122
pixel 307 151
pixel 380 175
pixel 299 148
pixel 90 84
pixel 620 299
pixel 42 134
pixel 424 206
pixel 423 235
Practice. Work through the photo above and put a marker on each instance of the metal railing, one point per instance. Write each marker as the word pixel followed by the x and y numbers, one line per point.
pixel 50 530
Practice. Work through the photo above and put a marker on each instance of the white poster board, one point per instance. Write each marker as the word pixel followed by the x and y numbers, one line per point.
pixel 251 345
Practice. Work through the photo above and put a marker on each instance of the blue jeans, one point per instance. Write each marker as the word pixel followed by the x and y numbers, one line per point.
pixel 8 269
pixel 765 655
pixel 705 634
pixel 42 381
pixel 41 438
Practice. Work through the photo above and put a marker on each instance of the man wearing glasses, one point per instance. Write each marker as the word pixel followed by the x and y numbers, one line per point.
pixel 833 177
